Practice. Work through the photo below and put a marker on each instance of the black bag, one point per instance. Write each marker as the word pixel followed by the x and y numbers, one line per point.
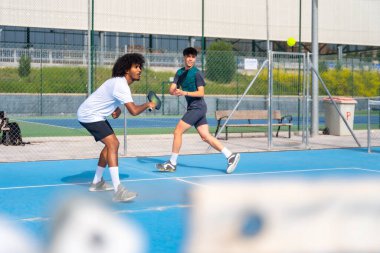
pixel 13 135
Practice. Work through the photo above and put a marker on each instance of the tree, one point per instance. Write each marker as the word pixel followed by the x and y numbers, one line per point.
pixel 220 62
pixel 24 66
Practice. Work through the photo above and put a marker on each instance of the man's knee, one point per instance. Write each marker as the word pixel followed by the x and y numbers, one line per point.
pixel 206 138
pixel 112 144
pixel 178 132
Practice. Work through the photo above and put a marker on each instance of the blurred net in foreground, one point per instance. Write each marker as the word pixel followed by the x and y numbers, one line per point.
pixel 86 225
pixel 373 133
pixel 286 216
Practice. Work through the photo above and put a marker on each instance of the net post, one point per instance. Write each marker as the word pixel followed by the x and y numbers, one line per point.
pixel 369 125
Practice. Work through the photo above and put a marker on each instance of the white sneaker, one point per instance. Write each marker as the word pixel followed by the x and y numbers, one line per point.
pixel 233 161
pixel 100 186
pixel 123 195
pixel 166 167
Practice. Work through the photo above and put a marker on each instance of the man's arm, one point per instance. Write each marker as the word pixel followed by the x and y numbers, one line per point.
pixel 172 88
pixel 134 109
pixel 198 93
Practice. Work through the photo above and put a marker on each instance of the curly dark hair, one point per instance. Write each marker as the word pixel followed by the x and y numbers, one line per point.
pixel 190 50
pixel 125 62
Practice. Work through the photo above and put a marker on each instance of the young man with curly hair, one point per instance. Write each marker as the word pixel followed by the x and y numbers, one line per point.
pixel 103 102
pixel 189 82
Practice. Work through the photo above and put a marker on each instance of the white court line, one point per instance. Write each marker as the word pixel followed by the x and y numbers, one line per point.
pixel 149 209
pixel 44 124
pixel 377 171
pixel 189 182
pixel 187 177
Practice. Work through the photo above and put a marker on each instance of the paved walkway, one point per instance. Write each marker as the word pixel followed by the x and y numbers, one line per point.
pixel 59 148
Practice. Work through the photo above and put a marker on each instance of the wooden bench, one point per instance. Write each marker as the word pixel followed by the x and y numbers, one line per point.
pixel 251 115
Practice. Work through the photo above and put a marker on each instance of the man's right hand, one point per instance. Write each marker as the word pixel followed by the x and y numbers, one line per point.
pixel 151 106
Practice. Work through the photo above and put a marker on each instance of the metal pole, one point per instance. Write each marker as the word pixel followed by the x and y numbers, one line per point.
pixel 267 21
pixel 125 131
pixel 299 63
pixel 89 57
pixel 270 80
pixel 315 53
pixel 307 97
pixel 89 48
pixel 92 45
pixel 41 83
pixel 203 42
pixel 369 126
pixel 270 93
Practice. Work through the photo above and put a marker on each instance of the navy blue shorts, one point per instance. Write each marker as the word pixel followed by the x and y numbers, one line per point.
pixel 99 129
pixel 195 117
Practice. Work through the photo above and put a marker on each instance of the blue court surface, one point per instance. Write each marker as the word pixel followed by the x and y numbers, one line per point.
pixel 29 190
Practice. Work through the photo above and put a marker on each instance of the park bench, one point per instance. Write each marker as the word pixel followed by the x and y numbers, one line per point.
pixel 254 119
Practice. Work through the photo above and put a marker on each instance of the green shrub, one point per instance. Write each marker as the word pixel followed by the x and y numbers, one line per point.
pixel 220 62
pixel 24 66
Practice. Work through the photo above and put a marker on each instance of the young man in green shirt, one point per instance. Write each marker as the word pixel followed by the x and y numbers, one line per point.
pixel 189 82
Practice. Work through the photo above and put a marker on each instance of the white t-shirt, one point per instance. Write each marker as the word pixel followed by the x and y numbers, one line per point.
pixel 103 102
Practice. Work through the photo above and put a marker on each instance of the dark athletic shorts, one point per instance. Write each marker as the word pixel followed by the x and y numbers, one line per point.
pixel 195 117
pixel 99 129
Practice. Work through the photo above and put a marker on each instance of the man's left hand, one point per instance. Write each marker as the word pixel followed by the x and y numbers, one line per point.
pixel 116 113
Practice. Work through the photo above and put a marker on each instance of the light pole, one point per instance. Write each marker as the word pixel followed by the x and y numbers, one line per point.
pixel 203 43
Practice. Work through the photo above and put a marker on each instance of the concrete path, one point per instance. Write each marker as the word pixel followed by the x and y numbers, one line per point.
pixel 60 148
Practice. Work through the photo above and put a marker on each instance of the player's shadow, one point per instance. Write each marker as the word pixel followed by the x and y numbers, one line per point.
pixel 154 161
pixel 85 177
pixel 151 160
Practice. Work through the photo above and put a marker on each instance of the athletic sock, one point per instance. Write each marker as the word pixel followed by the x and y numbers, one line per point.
pixel 226 152
pixel 98 175
pixel 114 171
pixel 173 158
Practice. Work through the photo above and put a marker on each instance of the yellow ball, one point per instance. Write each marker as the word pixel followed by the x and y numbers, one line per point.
pixel 291 42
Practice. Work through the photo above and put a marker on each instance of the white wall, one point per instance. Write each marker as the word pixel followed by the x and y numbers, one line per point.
pixel 340 21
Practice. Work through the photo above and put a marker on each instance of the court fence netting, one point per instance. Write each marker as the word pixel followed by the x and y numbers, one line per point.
pixel 44 102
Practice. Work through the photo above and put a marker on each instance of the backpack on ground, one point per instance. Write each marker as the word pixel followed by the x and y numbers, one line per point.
pixel 13 135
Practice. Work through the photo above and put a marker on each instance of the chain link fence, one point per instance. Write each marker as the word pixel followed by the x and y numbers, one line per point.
pixel 40 90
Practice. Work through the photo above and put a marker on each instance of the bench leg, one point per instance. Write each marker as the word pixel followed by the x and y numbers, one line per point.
pixel 226 133
pixel 278 129
pixel 290 133
pixel 217 129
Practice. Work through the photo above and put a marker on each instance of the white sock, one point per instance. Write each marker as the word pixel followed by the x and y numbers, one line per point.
pixel 98 175
pixel 173 158
pixel 226 152
pixel 114 171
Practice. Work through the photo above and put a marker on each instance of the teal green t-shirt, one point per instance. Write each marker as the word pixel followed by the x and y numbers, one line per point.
pixel 190 80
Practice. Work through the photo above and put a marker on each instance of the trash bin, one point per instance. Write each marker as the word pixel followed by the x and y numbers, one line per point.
pixel 334 122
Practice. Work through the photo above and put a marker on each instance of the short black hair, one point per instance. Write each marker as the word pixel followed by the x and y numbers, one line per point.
pixel 125 62
pixel 190 50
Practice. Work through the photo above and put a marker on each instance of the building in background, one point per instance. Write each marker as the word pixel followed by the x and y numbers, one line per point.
pixel 171 25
